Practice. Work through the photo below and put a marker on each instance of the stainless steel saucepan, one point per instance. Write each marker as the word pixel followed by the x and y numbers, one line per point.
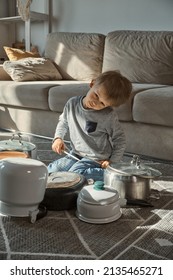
pixel 16 144
pixel 131 180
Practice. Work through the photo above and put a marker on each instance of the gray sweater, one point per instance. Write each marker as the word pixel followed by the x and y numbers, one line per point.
pixel 96 134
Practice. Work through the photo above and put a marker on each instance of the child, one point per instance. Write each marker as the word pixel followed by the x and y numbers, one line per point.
pixel 96 136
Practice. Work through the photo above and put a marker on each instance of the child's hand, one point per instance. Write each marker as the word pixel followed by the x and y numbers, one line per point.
pixel 104 163
pixel 58 146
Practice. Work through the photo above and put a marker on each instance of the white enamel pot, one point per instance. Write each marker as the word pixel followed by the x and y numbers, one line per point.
pixel 22 186
pixel 98 204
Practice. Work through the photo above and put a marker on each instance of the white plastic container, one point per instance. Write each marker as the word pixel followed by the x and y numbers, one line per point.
pixel 98 204
pixel 22 186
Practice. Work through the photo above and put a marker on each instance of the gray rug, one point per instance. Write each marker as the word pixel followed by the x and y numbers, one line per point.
pixel 142 233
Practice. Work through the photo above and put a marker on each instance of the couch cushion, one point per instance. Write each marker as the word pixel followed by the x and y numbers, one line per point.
pixel 154 106
pixel 32 69
pixel 59 95
pixel 78 55
pixel 127 51
pixel 125 111
pixel 26 94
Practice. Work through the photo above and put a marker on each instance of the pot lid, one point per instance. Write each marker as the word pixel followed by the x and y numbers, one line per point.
pixel 98 194
pixel 16 144
pixel 134 168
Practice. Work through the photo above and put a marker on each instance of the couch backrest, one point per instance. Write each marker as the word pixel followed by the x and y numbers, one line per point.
pixel 142 56
pixel 79 56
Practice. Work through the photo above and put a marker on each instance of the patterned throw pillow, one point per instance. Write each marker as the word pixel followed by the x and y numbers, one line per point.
pixel 32 69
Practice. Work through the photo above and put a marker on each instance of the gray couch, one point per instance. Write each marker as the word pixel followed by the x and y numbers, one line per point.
pixel 145 57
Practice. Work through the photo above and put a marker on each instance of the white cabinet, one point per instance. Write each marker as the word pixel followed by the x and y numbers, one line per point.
pixel 33 17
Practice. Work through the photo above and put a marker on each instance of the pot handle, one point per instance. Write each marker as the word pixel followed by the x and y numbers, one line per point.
pixel 155 194
pixel 117 170
pixel 136 161
pixel 18 136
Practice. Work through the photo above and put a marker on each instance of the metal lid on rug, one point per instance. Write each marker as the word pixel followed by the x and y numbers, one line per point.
pixel 134 168
pixel 17 144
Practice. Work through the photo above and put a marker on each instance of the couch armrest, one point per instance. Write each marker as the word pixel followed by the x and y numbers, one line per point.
pixel 4 75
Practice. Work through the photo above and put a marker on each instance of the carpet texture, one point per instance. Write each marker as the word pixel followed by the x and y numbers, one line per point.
pixel 142 233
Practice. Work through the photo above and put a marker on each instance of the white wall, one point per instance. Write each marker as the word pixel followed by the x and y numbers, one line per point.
pixel 101 16
pixel 105 15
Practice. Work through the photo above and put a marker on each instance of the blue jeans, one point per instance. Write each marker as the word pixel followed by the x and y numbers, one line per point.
pixel 86 167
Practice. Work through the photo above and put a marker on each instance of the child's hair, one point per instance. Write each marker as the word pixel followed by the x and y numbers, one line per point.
pixel 118 87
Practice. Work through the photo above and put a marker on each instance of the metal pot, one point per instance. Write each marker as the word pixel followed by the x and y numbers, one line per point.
pixel 131 180
pixel 16 144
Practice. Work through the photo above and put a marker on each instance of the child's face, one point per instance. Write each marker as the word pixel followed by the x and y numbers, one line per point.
pixel 96 98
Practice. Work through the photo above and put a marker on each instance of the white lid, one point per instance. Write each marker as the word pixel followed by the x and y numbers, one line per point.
pixel 22 161
pixel 98 194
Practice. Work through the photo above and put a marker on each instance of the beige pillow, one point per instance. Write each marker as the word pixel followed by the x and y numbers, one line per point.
pixel 141 56
pixel 79 56
pixel 15 54
pixel 32 69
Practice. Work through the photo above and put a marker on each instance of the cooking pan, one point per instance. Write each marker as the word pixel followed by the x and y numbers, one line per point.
pixel 132 180
pixel 16 144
